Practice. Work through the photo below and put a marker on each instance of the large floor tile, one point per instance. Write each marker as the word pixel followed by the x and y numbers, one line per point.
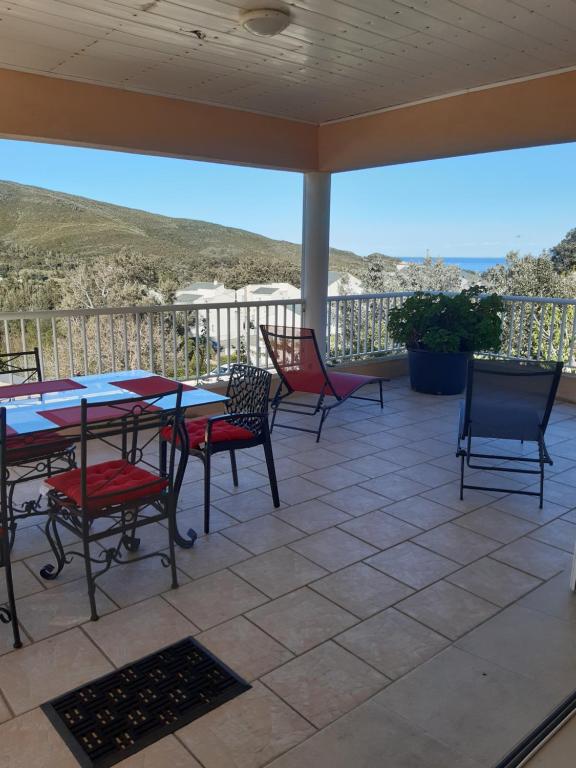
pixel 141 629
pixel 355 501
pixel 372 466
pixel 31 740
pixel 247 479
pixel 429 474
pixel 416 566
pixel 394 486
pixel 554 598
pixel 215 599
pixel 333 549
pixel 534 557
pixel 279 571
pixel 528 508
pixel 246 505
pixel 32 675
pixel 449 495
pixel 126 584
pixel 247 732
pixel 295 490
pixel 361 590
pixel 302 619
pixel 209 554
pixel 447 609
pixel 392 642
pixel 494 581
pixel 325 683
pixel 52 611
pixel 470 704
pixel 495 524
pixel 262 534
pixel 421 512
pixel 558 533
pixel 335 478
pixel 531 643
pixel 312 516
pixel 245 648
pixel 380 529
pixel 457 543
pixel 373 736
pixel 25 583
pixel 166 753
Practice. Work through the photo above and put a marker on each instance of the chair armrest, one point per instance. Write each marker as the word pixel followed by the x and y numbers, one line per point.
pixel 228 416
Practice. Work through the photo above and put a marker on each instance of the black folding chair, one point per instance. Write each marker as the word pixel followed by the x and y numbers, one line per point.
pixel 507 400
pixel 7 613
pixel 244 425
pixel 137 488
pixel 25 365
pixel 30 457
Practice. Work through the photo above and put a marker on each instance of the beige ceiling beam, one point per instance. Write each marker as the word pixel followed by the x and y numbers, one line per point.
pixel 522 114
pixel 55 110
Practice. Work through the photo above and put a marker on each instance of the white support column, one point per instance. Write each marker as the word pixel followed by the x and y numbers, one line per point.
pixel 315 252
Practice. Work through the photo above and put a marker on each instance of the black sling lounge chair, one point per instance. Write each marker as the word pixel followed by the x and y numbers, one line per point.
pixel 507 400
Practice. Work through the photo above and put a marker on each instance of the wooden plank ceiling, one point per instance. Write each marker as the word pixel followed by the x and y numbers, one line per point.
pixel 337 59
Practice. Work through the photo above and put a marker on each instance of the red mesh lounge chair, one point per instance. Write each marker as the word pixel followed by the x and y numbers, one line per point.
pixel 33 456
pixel 297 359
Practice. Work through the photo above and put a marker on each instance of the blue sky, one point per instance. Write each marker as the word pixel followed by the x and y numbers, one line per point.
pixel 480 206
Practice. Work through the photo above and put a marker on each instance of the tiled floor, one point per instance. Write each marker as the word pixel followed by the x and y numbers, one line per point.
pixel 380 620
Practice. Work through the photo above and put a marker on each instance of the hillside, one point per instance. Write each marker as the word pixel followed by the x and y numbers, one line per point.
pixel 36 221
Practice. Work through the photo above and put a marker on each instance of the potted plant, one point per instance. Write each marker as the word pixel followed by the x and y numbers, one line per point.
pixel 441 332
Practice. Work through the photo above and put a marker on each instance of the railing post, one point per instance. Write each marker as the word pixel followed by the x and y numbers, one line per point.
pixel 315 252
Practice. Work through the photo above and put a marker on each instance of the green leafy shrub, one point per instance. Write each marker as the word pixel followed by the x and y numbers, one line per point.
pixel 465 322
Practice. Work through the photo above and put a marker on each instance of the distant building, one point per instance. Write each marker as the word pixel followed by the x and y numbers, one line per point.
pixel 230 324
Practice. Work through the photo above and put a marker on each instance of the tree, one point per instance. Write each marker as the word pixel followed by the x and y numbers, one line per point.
pixel 257 270
pixel 430 275
pixel 563 255
pixel 529 276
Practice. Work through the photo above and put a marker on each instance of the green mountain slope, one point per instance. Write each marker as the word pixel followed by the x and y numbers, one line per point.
pixel 36 220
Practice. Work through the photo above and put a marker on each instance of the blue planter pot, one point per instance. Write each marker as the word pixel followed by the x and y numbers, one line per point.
pixel 438 373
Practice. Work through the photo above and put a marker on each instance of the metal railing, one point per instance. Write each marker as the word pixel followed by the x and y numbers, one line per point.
pixel 196 342
pixel 187 342
pixel 534 327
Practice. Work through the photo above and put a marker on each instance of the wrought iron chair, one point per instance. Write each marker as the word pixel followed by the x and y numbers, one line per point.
pixel 508 400
pixel 299 364
pixel 7 614
pixel 136 489
pixel 244 425
pixel 31 457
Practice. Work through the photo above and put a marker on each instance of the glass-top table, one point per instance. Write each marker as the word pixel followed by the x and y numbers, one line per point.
pixel 24 415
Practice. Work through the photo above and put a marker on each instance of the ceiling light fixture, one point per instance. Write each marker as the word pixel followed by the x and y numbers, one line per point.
pixel 265 22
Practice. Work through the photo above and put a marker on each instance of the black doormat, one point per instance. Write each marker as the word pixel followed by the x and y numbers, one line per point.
pixel 124 711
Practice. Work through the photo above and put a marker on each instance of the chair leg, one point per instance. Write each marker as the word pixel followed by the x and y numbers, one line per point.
pixel 322 420
pixel 462 461
pixel 381 395
pixel 271 471
pixel 10 589
pixel 171 539
pixel 207 491
pixel 274 412
pixel 234 468
pixel 89 576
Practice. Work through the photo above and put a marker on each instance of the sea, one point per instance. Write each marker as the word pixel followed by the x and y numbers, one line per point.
pixel 472 264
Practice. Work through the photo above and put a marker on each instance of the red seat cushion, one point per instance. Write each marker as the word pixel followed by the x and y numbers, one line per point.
pixel 108 483
pixel 343 384
pixel 222 431
pixel 34 447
